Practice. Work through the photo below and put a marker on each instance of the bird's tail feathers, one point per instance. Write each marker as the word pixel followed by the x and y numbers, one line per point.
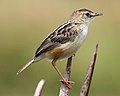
pixel 24 67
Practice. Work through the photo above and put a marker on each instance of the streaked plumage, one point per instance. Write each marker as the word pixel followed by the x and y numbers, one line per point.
pixel 66 39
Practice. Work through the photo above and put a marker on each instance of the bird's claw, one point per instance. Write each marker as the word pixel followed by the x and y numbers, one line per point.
pixel 67 83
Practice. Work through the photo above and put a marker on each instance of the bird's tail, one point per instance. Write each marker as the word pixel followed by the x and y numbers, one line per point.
pixel 24 67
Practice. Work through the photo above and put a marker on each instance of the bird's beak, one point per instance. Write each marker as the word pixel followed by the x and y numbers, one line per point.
pixel 98 14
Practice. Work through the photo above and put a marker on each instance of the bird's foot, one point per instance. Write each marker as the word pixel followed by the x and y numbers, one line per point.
pixel 67 83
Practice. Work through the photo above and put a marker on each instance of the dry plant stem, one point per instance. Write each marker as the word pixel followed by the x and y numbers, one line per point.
pixel 87 82
pixel 39 88
pixel 63 89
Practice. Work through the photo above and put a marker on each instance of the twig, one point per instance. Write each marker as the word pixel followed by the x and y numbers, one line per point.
pixel 87 82
pixel 39 88
pixel 63 89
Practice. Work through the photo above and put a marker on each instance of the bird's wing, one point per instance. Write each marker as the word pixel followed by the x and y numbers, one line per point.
pixel 63 34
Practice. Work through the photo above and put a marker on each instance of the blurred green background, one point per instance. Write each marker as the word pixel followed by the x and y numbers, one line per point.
pixel 25 23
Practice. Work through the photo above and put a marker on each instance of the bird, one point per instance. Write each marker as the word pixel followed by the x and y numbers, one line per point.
pixel 65 40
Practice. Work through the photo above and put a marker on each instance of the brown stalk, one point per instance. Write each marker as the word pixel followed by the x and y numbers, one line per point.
pixel 88 78
pixel 63 89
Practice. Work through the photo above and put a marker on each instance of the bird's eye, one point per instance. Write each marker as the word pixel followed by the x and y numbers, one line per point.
pixel 88 15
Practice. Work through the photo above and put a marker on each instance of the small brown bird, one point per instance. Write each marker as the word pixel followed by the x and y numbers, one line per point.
pixel 64 41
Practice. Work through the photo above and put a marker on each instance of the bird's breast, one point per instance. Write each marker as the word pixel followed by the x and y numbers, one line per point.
pixel 68 49
pixel 80 38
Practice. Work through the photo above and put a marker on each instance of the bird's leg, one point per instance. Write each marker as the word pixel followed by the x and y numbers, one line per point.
pixel 67 83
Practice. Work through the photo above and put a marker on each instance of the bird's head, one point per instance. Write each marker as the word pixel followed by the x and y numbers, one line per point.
pixel 83 16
